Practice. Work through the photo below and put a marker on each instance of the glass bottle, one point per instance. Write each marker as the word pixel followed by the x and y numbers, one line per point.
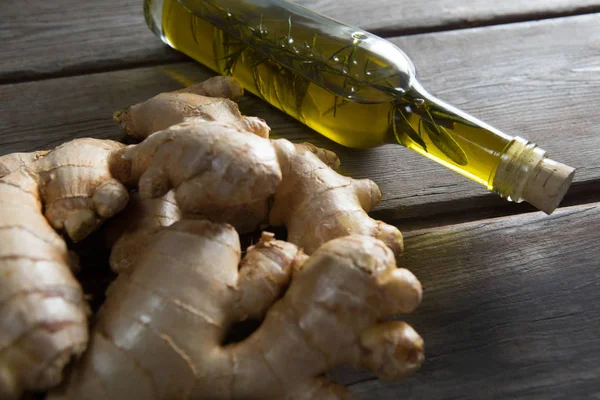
pixel 353 87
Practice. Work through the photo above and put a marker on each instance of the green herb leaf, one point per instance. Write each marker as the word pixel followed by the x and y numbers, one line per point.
pixel 445 142
pixel 406 131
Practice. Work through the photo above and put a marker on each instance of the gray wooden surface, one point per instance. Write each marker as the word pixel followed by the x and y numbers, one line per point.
pixel 510 307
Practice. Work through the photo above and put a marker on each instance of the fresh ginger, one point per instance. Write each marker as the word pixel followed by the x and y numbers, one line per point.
pixel 78 189
pixel 160 332
pixel 182 287
pixel 211 167
pixel 129 232
pixel 43 312
pixel 309 186
pixel 206 101
pixel 316 204
pixel 12 162
pixel 210 100
pixel 215 171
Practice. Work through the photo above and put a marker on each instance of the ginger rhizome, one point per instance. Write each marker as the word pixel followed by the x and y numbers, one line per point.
pixel 12 162
pixel 215 171
pixel 201 172
pixel 129 232
pixel 188 289
pixel 316 204
pixel 210 100
pixel 146 216
pixel 77 186
pixel 43 312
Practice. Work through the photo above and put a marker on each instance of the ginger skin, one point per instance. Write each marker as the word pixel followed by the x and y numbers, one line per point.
pixel 12 162
pixel 78 189
pixel 316 204
pixel 78 186
pixel 216 171
pixel 184 313
pixel 206 165
pixel 210 100
pixel 129 232
pixel 43 312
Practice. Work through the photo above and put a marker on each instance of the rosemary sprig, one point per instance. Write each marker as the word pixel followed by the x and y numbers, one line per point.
pixel 296 65
pixel 307 59
pixel 415 136
pixel 443 140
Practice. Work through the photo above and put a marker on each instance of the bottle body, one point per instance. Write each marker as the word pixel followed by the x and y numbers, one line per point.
pixel 351 86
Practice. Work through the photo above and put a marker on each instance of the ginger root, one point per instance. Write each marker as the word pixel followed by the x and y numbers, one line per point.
pixel 12 162
pixel 215 171
pixel 78 189
pixel 43 310
pixel 331 314
pixel 77 186
pixel 130 232
pixel 316 204
pixel 210 100
pixel 181 285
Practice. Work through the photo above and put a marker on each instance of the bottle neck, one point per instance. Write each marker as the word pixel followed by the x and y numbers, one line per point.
pixel 512 167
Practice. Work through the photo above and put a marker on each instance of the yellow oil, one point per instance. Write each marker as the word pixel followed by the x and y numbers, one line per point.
pixel 373 117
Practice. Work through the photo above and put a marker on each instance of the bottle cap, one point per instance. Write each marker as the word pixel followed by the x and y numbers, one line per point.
pixel 548 184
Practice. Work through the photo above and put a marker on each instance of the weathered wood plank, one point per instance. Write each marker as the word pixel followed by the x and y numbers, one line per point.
pixel 63 37
pixel 408 16
pixel 519 84
pixel 508 312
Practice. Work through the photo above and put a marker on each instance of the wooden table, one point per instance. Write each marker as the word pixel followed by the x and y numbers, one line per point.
pixel 511 304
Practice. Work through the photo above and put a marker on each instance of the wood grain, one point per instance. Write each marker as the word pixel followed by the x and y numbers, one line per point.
pixel 41 39
pixel 408 16
pixel 506 75
pixel 509 310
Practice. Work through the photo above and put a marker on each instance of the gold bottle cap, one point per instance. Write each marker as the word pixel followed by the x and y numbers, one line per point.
pixel 548 184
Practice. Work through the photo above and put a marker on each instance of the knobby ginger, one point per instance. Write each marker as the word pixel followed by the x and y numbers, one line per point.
pixel 77 186
pixel 215 171
pixel 181 288
pixel 129 232
pixel 210 100
pixel 12 162
pixel 160 332
pixel 146 216
pixel 43 312
pixel 316 204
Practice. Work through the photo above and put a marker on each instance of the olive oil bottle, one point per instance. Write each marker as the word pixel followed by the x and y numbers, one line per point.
pixel 353 87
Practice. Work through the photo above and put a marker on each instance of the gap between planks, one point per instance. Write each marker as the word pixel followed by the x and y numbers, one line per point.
pixel 577 196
